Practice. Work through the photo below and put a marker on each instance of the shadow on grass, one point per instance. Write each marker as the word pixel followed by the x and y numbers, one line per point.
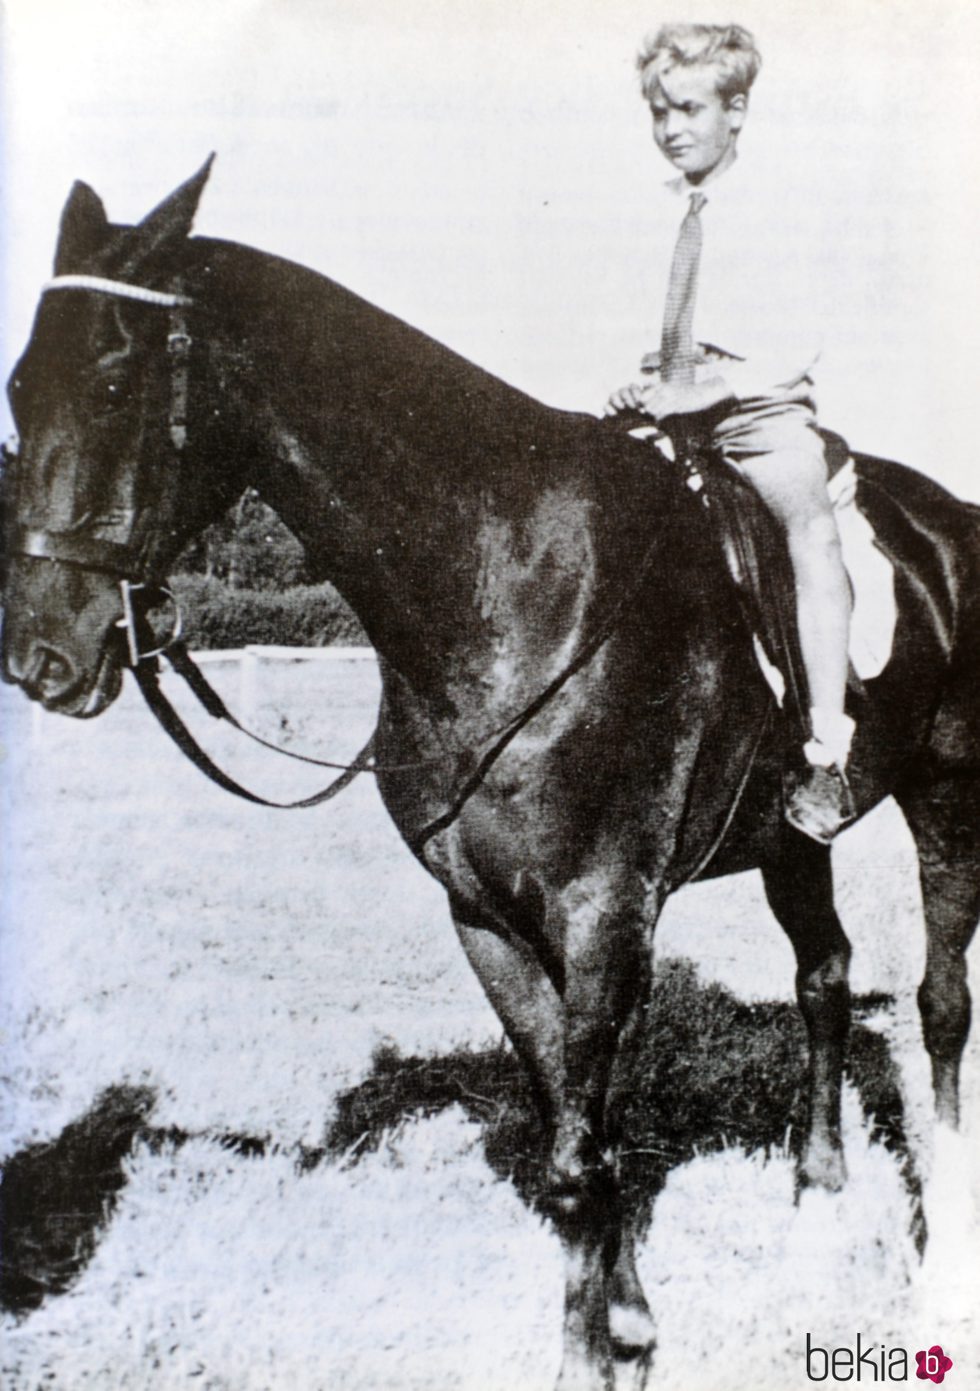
pixel 56 1198
pixel 713 1073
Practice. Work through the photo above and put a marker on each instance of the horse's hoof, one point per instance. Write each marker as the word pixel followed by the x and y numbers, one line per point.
pixel 823 1167
pixel 578 1374
pixel 631 1331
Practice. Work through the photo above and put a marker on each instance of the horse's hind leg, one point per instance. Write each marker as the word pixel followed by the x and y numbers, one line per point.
pixel 944 819
pixel 799 887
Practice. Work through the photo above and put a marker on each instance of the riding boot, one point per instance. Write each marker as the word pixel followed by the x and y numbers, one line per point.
pixel 819 802
pixel 818 799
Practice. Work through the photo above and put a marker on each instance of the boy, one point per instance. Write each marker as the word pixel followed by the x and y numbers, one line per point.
pixel 736 355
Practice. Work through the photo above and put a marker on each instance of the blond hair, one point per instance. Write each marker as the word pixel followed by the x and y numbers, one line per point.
pixel 728 48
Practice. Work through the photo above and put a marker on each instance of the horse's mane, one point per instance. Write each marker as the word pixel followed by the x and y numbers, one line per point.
pixel 486 424
pixel 320 313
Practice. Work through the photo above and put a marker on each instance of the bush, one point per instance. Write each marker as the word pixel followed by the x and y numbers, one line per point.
pixel 249 548
pixel 312 615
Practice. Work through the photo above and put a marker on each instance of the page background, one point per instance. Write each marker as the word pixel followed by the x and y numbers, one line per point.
pixel 482 172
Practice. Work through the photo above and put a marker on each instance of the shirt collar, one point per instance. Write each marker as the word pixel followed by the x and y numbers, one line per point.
pixel 714 189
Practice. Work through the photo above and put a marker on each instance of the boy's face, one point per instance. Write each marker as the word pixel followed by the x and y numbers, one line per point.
pixel 694 127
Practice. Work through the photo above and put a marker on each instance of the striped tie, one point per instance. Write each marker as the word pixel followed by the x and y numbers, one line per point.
pixel 677 357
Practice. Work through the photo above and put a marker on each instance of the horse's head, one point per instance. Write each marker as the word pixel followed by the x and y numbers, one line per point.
pixel 101 493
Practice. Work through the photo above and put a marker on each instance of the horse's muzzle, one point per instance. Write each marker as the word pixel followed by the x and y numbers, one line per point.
pixel 48 675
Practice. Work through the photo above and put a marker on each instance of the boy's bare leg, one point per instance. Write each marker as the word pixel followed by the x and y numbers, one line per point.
pixel 793 486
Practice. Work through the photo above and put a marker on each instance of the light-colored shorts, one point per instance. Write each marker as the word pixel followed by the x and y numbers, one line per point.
pixel 783 420
pixel 769 425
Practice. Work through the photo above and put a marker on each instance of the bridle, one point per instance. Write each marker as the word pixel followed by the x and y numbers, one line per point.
pixel 78 546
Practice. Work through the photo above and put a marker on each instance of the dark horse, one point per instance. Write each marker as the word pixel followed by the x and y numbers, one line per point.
pixel 573 725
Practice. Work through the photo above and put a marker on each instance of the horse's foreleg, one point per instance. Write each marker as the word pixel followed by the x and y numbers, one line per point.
pixel 529 1004
pixel 524 997
pixel 606 969
pixel 799 887
pixel 944 821
pixel 566 1023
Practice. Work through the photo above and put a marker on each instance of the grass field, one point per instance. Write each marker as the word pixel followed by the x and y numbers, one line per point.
pixel 239 970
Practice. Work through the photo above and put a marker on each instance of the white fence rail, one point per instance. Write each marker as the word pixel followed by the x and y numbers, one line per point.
pixel 250 660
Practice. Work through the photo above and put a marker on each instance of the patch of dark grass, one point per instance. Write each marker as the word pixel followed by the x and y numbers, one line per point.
pixel 158 1138
pixel 56 1198
pixel 712 1072
pixel 870 1003
pixel 491 1087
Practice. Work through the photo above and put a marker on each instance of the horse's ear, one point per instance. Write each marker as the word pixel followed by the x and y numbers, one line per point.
pixel 168 223
pixel 84 227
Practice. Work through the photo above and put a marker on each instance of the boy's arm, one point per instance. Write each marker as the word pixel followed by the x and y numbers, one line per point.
pixel 660 399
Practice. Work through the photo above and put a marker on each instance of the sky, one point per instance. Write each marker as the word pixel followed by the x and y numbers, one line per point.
pixel 482 169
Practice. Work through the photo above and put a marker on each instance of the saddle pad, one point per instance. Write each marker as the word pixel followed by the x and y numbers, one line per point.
pixel 874 612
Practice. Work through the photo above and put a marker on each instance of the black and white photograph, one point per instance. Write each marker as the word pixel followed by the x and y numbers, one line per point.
pixel 490 723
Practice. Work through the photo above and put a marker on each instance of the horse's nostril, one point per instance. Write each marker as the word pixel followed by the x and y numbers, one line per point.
pixel 56 668
pixel 50 673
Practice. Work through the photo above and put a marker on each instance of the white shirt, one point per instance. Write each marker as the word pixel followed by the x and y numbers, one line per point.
pixel 754 298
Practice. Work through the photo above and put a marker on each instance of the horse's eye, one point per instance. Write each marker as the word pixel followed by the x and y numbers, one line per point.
pixel 15 395
pixel 111 397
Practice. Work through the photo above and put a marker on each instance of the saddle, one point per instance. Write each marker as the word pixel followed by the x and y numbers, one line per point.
pixel 757 558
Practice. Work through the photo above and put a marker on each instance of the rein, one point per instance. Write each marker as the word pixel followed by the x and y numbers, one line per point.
pixel 147 678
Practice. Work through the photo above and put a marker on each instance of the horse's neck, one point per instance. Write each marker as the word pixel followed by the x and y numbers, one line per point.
pixel 460 519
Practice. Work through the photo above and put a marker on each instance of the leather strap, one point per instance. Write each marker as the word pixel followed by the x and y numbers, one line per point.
pixel 147 675
pixel 183 664
pixel 76 548
pixel 179 344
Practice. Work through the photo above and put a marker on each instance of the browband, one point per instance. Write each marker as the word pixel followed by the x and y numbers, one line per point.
pixel 178 340
pixel 115 287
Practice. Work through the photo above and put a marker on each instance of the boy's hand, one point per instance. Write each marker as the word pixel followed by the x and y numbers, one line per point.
pixel 661 399
pixel 628 398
